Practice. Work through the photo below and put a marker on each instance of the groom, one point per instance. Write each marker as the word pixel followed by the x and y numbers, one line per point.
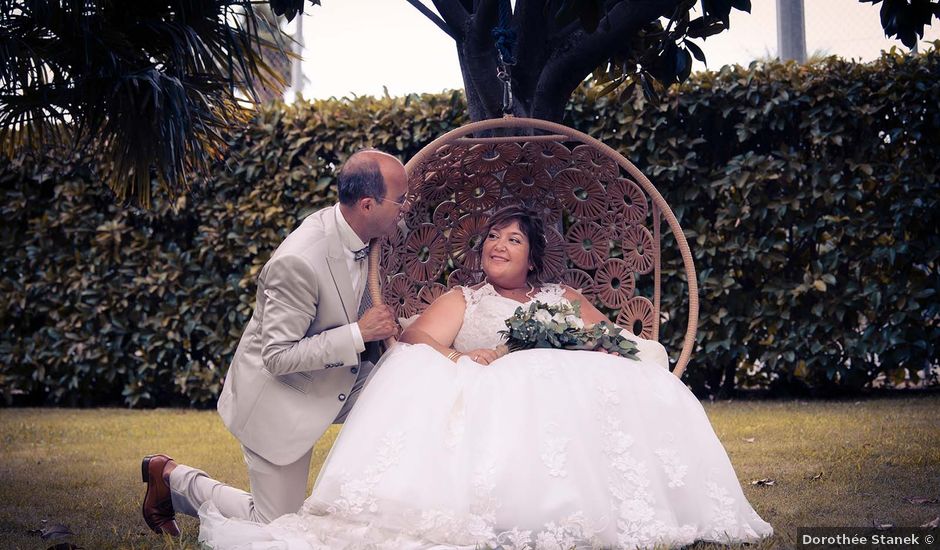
pixel 299 365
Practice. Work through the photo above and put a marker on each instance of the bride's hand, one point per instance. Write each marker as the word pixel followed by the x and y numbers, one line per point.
pixel 486 356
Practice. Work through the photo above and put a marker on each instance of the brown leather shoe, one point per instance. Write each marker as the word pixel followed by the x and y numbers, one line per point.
pixel 158 507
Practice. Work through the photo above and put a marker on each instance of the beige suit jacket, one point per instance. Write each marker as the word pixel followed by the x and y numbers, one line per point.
pixel 296 361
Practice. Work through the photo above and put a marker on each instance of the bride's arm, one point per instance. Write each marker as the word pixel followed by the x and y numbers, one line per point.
pixel 649 350
pixel 439 324
pixel 589 314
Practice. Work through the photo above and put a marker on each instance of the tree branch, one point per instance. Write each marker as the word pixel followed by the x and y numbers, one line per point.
pixel 432 16
pixel 532 27
pixel 623 19
pixel 578 53
pixel 477 55
pixel 484 18
pixel 455 15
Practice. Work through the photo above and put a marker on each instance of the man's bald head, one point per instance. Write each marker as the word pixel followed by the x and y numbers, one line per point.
pixel 363 175
pixel 372 189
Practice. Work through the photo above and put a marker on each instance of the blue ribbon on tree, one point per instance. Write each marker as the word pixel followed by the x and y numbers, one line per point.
pixel 505 36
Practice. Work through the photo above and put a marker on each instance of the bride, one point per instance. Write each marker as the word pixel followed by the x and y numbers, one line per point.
pixel 454 443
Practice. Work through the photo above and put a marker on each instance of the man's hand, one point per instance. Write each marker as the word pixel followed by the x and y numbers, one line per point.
pixel 378 323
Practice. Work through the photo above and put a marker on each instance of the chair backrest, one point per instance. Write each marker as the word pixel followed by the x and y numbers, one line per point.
pixel 603 221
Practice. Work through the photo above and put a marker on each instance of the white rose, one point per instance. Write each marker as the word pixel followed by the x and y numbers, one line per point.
pixel 542 316
pixel 574 321
pixel 559 318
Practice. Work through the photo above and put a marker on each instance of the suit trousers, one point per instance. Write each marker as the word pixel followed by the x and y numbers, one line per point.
pixel 275 490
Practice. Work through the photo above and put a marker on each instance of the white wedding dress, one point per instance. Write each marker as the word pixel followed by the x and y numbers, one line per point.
pixel 541 449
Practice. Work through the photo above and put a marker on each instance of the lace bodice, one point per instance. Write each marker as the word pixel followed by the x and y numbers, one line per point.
pixel 487 312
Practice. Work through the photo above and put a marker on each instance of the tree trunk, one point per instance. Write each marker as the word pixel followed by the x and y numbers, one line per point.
pixel 552 59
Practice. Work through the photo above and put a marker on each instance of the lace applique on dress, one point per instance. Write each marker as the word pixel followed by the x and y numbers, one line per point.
pixel 554 451
pixel 471 528
pixel 637 524
pixel 471 297
pixel 484 504
pixel 673 467
pixel 357 493
pixel 723 521
pixel 463 529
pixel 571 533
pixel 515 539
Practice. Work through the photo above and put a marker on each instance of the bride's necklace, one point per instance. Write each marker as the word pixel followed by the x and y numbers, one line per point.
pixel 529 295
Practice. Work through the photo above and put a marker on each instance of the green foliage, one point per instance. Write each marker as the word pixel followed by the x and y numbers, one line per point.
pixel 150 86
pixel 608 336
pixel 101 304
pixel 545 326
pixel 659 52
pixel 808 194
pixel 906 20
pixel 560 326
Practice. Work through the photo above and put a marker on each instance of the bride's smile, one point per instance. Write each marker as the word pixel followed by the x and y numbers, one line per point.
pixel 506 261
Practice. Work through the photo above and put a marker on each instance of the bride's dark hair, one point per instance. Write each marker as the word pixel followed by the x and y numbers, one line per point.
pixel 531 225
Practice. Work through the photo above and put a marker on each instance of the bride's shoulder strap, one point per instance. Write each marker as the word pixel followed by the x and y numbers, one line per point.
pixel 473 294
pixel 467 293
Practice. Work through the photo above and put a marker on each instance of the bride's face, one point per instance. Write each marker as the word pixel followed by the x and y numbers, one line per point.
pixel 506 254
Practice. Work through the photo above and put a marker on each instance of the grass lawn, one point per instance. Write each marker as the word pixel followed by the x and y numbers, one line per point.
pixel 834 463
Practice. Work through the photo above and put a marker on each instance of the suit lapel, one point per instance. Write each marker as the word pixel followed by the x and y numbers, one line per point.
pixel 341 278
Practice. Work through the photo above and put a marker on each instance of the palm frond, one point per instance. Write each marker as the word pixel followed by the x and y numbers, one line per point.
pixel 151 86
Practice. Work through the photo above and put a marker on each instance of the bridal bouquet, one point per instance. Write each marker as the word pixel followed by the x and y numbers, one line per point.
pixel 560 326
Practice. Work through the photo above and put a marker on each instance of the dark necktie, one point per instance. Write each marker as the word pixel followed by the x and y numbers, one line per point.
pixel 366 301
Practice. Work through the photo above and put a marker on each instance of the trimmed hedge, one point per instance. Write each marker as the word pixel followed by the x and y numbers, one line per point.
pixel 104 304
pixel 808 193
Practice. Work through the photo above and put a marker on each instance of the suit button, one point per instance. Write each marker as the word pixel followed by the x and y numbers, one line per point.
pixel 341 397
pixel 354 370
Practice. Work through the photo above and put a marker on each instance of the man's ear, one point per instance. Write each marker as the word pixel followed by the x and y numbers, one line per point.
pixel 366 204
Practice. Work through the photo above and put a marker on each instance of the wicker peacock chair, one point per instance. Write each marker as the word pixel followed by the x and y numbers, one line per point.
pixel 603 217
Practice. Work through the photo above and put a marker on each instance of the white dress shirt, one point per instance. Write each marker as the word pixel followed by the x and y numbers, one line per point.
pixel 358 271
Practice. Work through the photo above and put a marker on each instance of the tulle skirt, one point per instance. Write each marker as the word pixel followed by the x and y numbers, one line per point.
pixel 540 449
